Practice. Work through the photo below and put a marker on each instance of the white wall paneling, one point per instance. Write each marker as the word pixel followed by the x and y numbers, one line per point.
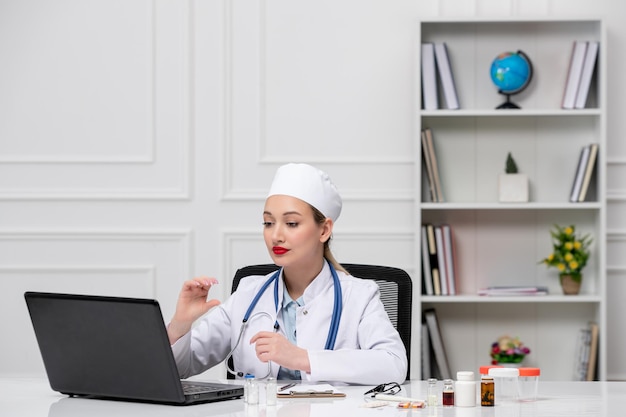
pixel 297 93
pixel 99 113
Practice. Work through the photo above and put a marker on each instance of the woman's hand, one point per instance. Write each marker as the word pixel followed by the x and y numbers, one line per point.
pixel 192 304
pixel 275 347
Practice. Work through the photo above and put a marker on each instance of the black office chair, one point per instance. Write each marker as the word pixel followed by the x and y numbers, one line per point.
pixel 396 294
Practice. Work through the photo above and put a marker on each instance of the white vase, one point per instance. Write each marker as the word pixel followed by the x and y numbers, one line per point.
pixel 510 364
pixel 513 188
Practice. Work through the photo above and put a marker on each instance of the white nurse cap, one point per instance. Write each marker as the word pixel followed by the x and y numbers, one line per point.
pixel 310 185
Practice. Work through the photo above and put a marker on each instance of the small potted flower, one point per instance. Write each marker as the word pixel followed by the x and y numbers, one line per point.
pixel 512 186
pixel 508 351
pixel 569 255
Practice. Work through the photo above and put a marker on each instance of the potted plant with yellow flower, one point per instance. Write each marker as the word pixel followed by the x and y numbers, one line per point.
pixel 569 255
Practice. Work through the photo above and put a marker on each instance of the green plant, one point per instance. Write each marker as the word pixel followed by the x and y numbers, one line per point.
pixel 569 253
pixel 508 349
pixel 511 166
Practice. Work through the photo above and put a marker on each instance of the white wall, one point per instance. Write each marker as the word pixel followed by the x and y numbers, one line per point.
pixel 138 138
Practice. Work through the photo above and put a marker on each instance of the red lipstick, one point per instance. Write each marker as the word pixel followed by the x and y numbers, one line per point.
pixel 279 250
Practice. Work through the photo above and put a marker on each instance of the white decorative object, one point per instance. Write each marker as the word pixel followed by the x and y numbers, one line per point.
pixel 513 188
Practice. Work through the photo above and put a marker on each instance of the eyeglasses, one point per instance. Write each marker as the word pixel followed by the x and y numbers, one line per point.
pixel 388 388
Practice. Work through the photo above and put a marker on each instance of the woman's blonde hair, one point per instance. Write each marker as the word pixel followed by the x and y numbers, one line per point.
pixel 320 219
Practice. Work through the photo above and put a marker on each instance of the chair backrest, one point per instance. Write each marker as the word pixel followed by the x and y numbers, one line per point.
pixel 396 294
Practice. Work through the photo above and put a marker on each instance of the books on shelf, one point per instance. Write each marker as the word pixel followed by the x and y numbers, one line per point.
pixel 429 77
pixel 586 75
pixel 432 167
pixel 584 173
pixel 445 74
pixel 438 260
pixel 513 290
pixel 581 69
pixel 427 352
pixel 589 169
pixel 593 351
pixel 586 353
pixel 437 72
pixel 577 59
pixel 428 168
pixel 433 259
pixel 450 257
pixel 427 280
pixel 441 260
pixel 442 367
pixel 580 173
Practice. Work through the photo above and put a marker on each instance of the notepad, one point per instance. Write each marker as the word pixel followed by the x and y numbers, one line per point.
pixel 310 391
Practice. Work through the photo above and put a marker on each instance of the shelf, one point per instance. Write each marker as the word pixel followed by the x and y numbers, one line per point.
pixel 511 113
pixel 511 206
pixel 500 244
pixel 478 299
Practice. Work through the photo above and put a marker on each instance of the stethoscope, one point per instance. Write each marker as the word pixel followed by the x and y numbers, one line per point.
pixel 248 316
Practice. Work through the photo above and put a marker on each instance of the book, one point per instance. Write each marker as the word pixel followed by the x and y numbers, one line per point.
pixel 591 162
pixel 434 263
pixel 577 59
pixel 580 174
pixel 513 290
pixel 441 358
pixel 593 351
pixel 427 279
pixel 426 352
pixel 582 352
pixel 429 167
pixel 450 258
pixel 442 59
pixel 430 99
pixel 441 260
pixel 589 65
pixel 435 166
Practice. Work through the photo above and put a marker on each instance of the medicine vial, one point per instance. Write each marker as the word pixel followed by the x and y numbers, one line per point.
pixel 447 397
pixel 431 396
pixel 487 391
pixel 250 390
pixel 270 391
pixel 465 389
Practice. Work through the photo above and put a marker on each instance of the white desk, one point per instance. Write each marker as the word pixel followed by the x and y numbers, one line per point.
pixel 28 397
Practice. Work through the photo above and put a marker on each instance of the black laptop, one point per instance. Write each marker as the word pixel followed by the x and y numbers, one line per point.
pixel 115 348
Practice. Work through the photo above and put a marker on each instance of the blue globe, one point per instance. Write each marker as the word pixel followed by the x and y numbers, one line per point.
pixel 511 72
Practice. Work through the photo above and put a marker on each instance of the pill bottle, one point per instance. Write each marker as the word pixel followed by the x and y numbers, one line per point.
pixel 431 396
pixel 465 389
pixel 505 381
pixel 250 390
pixel 447 396
pixel 487 391
pixel 528 383
pixel 270 391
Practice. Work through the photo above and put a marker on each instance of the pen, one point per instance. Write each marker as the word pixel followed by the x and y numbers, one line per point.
pixel 284 387
pixel 386 397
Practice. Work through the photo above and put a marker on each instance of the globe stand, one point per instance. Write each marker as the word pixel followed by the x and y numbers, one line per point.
pixel 508 104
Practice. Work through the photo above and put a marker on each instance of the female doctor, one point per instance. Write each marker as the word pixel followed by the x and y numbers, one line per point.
pixel 311 320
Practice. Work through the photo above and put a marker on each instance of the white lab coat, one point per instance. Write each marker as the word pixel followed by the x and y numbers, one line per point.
pixel 368 349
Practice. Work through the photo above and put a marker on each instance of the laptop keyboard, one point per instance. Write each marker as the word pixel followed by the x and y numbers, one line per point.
pixel 195 388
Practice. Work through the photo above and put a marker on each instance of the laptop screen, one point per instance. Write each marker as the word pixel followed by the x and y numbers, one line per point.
pixel 105 346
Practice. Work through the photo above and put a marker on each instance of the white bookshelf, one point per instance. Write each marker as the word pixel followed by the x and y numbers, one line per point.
pixel 502 243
